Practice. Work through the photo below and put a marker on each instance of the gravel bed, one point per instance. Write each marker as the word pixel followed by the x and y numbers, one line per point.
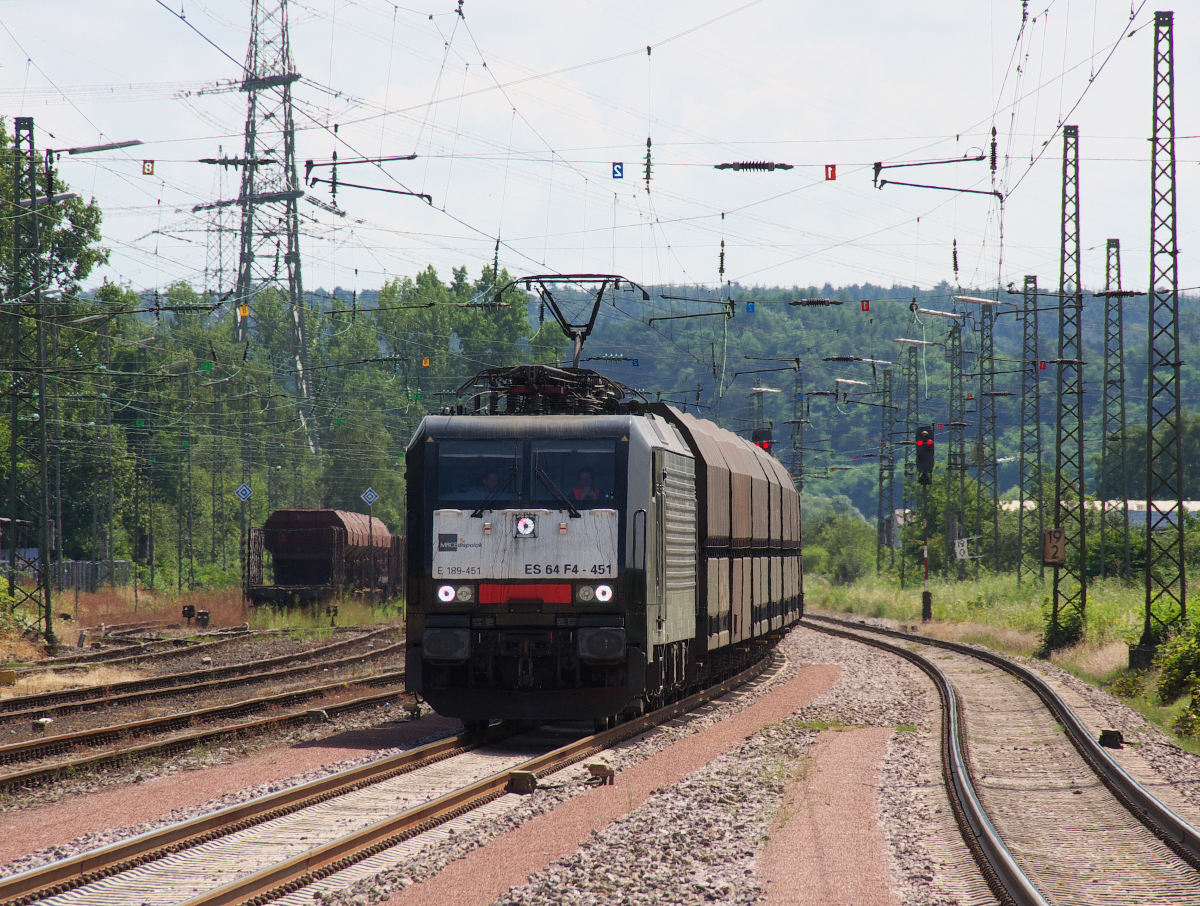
pixel 698 841
pixel 200 757
pixel 1176 766
pixel 89 842
pixel 695 842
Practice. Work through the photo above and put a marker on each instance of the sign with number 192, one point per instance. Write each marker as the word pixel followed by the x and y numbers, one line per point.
pixel 1054 547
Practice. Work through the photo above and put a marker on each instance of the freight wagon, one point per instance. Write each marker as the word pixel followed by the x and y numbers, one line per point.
pixel 311 555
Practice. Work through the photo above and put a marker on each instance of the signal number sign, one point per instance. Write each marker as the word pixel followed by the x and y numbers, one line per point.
pixel 1054 547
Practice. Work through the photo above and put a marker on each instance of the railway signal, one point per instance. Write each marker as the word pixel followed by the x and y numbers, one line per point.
pixel 924 444
pixel 761 438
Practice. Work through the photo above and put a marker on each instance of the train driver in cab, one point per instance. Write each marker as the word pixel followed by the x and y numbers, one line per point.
pixel 490 481
pixel 587 489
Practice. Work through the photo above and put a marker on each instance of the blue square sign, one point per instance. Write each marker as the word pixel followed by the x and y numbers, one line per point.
pixel 243 493
pixel 369 496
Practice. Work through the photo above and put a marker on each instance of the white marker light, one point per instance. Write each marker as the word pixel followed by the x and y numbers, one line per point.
pixel 603 593
pixel 446 594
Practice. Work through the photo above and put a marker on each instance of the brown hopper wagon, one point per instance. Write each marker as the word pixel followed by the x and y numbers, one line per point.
pixel 302 556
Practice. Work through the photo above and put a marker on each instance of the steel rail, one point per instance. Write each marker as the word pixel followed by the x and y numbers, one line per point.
pixel 177 647
pixel 32 776
pixel 1008 882
pixel 1181 837
pixel 21 705
pixel 199 685
pixel 67 874
pixel 292 874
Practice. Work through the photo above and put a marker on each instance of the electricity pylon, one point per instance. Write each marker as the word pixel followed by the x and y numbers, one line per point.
pixel 269 252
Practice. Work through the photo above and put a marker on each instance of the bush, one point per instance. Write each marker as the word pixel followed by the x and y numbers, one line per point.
pixel 1069 631
pixel 1188 722
pixel 1180 661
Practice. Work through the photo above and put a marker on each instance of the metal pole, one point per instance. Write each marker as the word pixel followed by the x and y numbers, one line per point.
pixel 1031 428
pixel 956 457
pixel 1166 578
pixel 1069 607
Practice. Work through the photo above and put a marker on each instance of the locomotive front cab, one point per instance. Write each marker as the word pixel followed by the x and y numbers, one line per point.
pixel 521 601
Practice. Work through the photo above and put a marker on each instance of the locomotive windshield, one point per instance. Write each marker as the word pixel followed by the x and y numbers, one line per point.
pixel 546 472
pixel 478 470
pixel 583 471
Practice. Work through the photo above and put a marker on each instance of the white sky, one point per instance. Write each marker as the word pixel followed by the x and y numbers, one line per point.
pixel 807 83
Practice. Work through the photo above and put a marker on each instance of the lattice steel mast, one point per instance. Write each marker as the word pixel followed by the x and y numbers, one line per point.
pixel 886 518
pixel 29 511
pixel 956 456
pixel 1069 604
pixel 1114 450
pixel 985 461
pixel 912 418
pixel 798 422
pixel 271 190
pixel 1166 585
pixel 1031 431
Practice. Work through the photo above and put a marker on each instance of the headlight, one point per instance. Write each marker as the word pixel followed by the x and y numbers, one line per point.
pixel 603 593
pixel 446 594
pixel 527 527
pixel 465 593
pixel 586 594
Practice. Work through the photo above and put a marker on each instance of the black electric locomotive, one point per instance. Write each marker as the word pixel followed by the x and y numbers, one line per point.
pixel 573 554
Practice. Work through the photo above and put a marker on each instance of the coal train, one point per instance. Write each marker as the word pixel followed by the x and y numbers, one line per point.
pixel 574 554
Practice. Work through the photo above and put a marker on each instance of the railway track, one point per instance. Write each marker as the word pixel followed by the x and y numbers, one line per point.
pixel 141 651
pixel 276 846
pixel 1050 816
pixel 181 732
pixel 79 698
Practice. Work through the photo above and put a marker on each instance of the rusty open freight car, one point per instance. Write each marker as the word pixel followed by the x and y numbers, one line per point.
pixel 303 556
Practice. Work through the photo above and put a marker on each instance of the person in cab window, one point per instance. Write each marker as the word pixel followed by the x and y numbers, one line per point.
pixel 490 481
pixel 587 489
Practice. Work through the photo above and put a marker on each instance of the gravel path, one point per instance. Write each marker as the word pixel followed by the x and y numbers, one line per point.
pixel 826 845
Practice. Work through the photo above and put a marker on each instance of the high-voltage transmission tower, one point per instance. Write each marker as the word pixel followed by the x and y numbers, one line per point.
pixel 986 488
pixel 1069 604
pixel 956 456
pixel 1114 450
pixel 1031 435
pixel 912 418
pixel 28 511
pixel 1166 585
pixel 269 253
pixel 885 523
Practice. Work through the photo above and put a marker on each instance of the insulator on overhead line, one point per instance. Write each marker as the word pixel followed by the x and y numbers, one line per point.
pixel 767 165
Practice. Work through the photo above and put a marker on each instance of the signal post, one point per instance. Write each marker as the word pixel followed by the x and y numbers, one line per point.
pixel 924 445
